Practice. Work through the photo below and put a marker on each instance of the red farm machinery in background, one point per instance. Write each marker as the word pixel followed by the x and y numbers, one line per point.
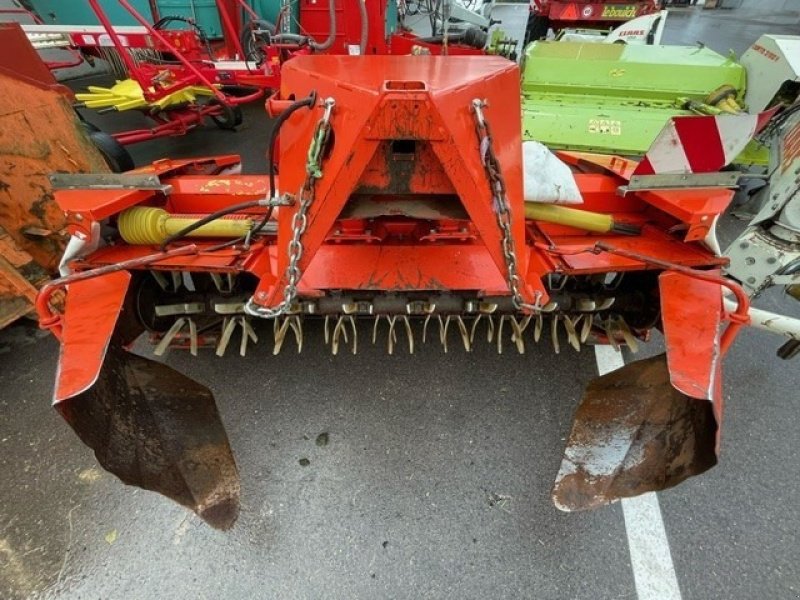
pixel 584 14
pixel 173 74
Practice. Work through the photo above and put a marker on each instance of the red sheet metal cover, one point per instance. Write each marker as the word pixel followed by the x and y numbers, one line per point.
pixel 92 309
pixel 691 312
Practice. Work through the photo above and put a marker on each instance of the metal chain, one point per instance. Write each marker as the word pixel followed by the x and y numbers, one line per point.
pixel 300 219
pixel 501 208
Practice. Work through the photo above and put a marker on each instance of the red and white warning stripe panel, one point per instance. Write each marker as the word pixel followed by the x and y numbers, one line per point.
pixel 701 144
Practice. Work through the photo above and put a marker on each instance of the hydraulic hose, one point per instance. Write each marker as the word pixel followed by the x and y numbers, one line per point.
pixel 473 37
pixel 362 10
pixel 309 102
pixel 302 40
pixel 331 31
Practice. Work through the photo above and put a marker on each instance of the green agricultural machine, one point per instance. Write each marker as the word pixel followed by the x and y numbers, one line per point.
pixel 616 98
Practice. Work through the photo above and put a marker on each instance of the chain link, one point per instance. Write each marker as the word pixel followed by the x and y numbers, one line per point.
pixel 497 185
pixel 300 219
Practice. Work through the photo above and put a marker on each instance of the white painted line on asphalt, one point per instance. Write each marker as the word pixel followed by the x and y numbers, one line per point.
pixel 651 559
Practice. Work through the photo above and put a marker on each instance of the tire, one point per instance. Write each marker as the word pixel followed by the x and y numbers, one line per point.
pixel 116 156
pixel 250 43
pixel 537 28
pixel 230 117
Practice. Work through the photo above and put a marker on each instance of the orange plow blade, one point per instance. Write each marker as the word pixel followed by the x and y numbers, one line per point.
pixel 634 433
pixel 147 424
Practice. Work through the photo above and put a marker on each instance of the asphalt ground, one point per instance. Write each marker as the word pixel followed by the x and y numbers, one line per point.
pixel 434 481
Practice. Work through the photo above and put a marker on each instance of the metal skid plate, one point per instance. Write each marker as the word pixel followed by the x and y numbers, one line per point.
pixel 107 181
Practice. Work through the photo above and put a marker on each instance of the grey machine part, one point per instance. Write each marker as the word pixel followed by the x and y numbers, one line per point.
pixel 767 253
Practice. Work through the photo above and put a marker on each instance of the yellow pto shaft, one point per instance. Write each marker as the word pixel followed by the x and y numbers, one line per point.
pixel 580 219
pixel 148 225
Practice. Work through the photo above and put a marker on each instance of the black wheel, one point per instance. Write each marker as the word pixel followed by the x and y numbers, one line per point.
pixel 256 34
pixel 537 28
pixel 229 118
pixel 116 156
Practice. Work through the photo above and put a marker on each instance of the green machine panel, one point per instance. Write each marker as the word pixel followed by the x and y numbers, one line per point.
pixel 78 12
pixel 615 98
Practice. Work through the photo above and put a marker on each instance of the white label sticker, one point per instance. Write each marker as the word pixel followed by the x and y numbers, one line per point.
pixel 605 127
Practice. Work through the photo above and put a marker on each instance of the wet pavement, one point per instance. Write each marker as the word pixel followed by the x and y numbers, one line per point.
pixel 376 476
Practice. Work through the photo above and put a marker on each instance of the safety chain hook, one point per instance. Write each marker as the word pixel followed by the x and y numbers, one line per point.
pixel 316 151
pixel 502 210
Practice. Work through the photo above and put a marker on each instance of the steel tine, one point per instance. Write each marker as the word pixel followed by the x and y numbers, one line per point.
pixel 392 336
pixel 337 333
pixel 160 279
pixel 279 332
pixel 326 330
pixel 444 325
pixel 355 333
pixel 572 333
pixel 586 329
pixel 162 346
pixel 410 334
pixel 610 334
pixel 217 279
pixel 297 326
pixel 247 333
pixel 523 325
pixel 627 335
pixel 192 337
pixel 517 334
pixel 228 327
pixel 425 328
pixel 176 280
pixel 606 304
pixel 538 325
pixel 474 326
pixel 462 328
pixel 375 329
pixel 500 334
pixel 554 333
